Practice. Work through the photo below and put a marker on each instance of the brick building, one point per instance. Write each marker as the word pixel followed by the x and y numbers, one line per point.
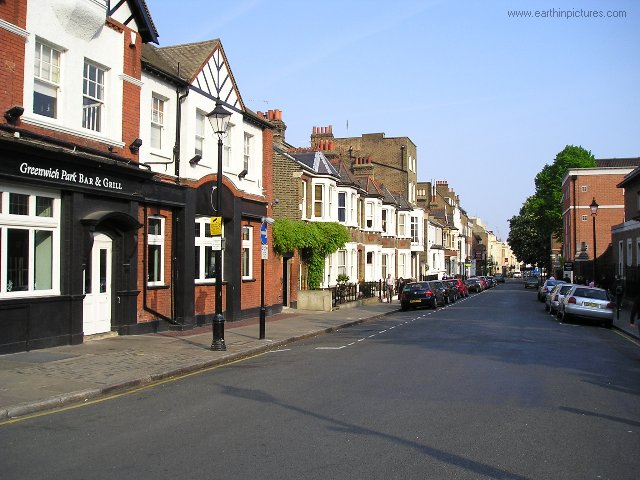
pixel 108 174
pixel 579 188
pixel 625 236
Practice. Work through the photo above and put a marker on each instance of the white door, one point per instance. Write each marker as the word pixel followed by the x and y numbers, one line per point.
pixel 97 287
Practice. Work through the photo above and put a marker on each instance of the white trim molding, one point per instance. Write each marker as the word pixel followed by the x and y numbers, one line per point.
pixel 10 27
pixel 130 79
pixel 69 131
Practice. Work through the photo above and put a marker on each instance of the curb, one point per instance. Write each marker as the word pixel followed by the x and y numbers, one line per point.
pixel 58 401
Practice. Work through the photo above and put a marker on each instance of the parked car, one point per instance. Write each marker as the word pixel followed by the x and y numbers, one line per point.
pixel 546 287
pixel 473 285
pixel 463 291
pixel 421 294
pixel 588 303
pixel 517 274
pixel 482 281
pixel 449 293
pixel 490 281
pixel 499 278
pixel 531 282
pixel 555 296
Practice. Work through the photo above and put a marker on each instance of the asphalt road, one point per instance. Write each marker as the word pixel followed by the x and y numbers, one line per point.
pixel 490 387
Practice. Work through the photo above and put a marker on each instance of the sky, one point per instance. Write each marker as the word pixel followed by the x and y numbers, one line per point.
pixel 488 98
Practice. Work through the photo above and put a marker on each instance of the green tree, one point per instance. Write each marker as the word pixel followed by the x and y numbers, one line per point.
pixel 540 217
pixel 314 241
pixel 525 238
pixel 549 187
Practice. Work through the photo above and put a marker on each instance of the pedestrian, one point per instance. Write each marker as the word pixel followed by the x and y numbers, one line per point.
pixel 399 285
pixel 390 283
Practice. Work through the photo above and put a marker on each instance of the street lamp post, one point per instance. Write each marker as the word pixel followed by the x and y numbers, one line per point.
pixel 594 212
pixel 263 256
pixel 219 120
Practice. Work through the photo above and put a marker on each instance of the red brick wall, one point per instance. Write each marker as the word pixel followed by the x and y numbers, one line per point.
pixel 12 55
pixel 610 212
pixel 158 298
pixel 131 92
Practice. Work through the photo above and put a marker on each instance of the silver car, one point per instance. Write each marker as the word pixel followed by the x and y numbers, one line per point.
pixel 587 303
pixel 555 296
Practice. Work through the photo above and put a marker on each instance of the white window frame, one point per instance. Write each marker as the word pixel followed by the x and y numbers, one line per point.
pixel 32 223
pixel 226 147
pixel 49 82
pixel 303 204
pixel 318 202
pixel 369 220
pixel 342 207
pixel 402 265
pixel 402 225
pixel 156 240
pixel 341 262
pixel 247 249
pixel 158 111
pixel 629 252
pixel 414 229
pixel 354 209
pixel 93 114
pixel 584 188
pixel 201 121
pixel 248 145
pixel 584 218
pixel 203 240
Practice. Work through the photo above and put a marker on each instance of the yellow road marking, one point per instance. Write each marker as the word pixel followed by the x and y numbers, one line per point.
pixel 127 392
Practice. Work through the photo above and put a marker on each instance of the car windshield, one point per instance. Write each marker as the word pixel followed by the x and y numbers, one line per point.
pixel 553 282
pixel 591 293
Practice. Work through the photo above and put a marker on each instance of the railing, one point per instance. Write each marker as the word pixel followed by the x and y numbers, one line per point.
pixel 351 292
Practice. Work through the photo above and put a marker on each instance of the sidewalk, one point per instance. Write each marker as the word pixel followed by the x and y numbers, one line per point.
pixel 622 322
pixel 50 378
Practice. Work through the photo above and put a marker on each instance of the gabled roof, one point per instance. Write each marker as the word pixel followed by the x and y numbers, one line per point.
pixel 180 61
pixel 388 198
pixel 370 186
pixel 346 176
pixel 617 162
pixel 140 14
pixel 203 66
pixel 146 27
pixel 629 177
pixel 402 202
pixel 315 162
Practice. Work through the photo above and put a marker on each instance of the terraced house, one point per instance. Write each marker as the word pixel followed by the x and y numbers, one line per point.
pixel 108 177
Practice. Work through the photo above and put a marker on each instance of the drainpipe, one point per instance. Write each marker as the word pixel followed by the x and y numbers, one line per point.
pixel 575 219
pixel 145 307
pixel 176 147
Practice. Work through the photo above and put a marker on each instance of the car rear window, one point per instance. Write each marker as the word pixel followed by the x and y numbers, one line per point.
pixel 591 293
pixel 416 286
pixel 564 289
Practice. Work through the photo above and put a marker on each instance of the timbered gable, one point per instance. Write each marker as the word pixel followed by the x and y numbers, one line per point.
pixel 135 15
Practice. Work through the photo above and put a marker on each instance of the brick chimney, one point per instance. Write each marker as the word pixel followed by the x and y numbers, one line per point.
pixel 275 118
